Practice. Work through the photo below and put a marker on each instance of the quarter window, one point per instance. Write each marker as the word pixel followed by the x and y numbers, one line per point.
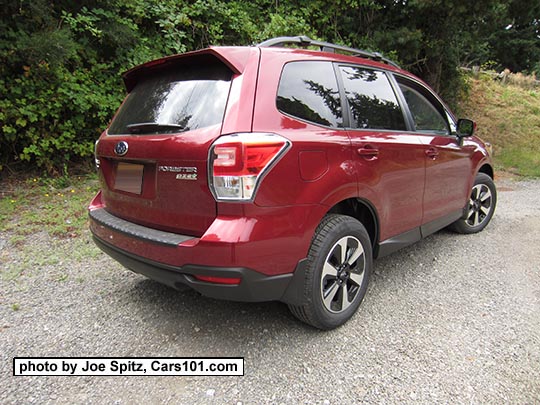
pixel 309 91
pixel 425 116
pixel 372 102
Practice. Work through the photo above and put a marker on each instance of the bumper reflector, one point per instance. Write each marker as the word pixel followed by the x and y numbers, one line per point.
pixel 219 280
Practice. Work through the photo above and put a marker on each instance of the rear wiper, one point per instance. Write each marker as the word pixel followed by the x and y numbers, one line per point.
pixel 149 127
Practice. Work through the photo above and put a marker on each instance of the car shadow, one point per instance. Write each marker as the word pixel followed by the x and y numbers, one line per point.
pixel 181 318
pixel 187 314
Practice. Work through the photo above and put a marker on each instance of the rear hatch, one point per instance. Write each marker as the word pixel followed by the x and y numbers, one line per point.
pixel 153 157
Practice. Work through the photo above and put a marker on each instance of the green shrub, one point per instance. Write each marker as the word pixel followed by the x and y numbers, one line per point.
pixel 61 61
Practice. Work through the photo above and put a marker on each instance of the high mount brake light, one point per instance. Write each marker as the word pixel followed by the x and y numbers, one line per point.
pixel 238 162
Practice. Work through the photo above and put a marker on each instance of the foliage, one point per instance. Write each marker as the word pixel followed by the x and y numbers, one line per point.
pixel 517 46
pixel 508 116
pixel 61 61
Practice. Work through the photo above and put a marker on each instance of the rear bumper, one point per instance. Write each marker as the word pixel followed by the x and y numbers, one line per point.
pixel 175 260
pixel 254 287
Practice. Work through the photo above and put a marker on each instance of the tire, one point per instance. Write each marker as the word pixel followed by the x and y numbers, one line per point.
pixel 480 207
pixel 338 266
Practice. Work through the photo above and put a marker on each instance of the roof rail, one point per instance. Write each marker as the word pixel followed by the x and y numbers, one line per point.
pixel 304 41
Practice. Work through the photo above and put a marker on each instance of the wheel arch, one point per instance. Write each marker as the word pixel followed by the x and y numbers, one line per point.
pixel 364 212
pixel 486 168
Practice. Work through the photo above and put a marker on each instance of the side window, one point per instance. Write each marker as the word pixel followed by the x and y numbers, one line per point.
pixel 371 99
pixel 425 116
pixel 309 91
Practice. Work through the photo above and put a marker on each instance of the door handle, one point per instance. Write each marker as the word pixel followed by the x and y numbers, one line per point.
pixel 432 153
pixel 368 152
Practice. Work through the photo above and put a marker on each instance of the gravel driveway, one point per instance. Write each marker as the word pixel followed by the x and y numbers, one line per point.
pixel 452 319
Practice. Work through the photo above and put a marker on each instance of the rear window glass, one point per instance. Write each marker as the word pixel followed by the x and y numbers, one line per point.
pixel 309 91
pixel 176 100
pixel 372 101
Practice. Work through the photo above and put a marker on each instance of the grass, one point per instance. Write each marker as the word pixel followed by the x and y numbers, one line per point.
pixel 508 116
pixel 37 204
pixel 50 213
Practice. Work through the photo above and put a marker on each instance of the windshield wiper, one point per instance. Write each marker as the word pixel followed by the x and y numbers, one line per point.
pixel 151 127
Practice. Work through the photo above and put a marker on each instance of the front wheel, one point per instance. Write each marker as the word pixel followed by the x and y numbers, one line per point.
pixel 337 272
pixel 480 207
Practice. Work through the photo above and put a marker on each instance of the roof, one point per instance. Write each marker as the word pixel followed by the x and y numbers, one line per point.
pixel 237 57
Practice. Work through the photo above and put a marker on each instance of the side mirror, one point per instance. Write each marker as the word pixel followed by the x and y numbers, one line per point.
pixel 465 127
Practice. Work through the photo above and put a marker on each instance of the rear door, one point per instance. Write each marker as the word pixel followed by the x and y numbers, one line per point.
pixel 389 159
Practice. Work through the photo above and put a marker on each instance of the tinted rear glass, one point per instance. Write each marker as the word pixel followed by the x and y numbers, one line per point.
pixel 309 91
pixel 185 98
pixel 371 99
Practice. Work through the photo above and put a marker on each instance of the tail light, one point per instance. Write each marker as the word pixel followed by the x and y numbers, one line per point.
pixel 239 162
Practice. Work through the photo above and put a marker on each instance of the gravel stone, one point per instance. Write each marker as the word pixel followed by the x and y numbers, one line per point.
pixel 451 319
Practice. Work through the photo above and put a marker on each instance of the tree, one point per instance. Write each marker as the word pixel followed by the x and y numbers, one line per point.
pixel 516 41
pixel 61 61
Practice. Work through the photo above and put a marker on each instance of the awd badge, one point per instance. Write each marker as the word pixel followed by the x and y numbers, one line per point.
pixel 182 173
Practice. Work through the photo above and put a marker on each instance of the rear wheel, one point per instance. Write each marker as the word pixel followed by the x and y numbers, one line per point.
pixel 337 272
pixel 480 208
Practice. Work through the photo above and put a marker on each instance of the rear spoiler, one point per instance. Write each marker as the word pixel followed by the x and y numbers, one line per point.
pixel 235 58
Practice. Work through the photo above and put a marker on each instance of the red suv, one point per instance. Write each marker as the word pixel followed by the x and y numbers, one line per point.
pixel 269 173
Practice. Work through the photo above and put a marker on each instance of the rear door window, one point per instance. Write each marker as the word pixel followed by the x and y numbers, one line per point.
pixel 176 100
pixel 309 91
pixel 372 101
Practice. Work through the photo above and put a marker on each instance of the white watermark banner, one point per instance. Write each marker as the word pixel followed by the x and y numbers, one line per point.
pixel 128 366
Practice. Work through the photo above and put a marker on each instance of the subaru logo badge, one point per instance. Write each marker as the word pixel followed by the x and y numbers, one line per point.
pixel 121 148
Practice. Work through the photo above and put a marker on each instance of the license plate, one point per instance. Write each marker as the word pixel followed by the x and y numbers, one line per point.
pixel 129 177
